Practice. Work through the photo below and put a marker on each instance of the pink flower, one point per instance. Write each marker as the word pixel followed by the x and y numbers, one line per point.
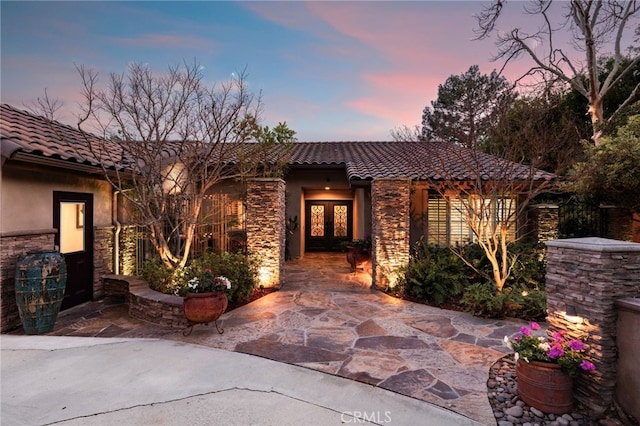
pixel 534 326
pixel 525 331
pixel 557 336
pixel 556 351
pixel 587 366
pixel 576 345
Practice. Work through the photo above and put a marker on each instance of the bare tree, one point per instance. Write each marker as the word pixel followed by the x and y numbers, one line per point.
pixel 594 24
pixel 486 196
pixel 166 139
pixel 491 196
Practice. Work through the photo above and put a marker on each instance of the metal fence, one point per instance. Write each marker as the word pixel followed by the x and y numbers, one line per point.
pixel 581 219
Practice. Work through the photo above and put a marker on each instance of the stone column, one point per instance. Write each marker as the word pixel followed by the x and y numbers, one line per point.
pixel 546 222
pixel 266 229
pixel 102 258
pixel 390 222
pixel 585 276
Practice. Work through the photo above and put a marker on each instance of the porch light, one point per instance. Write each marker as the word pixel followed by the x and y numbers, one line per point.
pixel 573 315
pixel 326 188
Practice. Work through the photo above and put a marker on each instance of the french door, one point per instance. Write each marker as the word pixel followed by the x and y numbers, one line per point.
pixel 328 223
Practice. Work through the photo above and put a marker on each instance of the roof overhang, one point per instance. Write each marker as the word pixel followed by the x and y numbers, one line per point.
pixel 55 162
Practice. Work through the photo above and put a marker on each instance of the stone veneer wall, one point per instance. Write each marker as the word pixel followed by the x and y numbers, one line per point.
pixel 12 247
pixel 102 258
pixel 390 222
pixel 266 230
pixel 128 249
pixel 146 304
pixel 590 274
pixel 545 221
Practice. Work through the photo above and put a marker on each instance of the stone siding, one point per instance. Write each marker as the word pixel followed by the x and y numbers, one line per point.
pixel 545 222
pixel 266 229
pixel 146 304
pixel 102 258
pixel 589 275
pixel 12 247
pixel 130 238
pixel 390 217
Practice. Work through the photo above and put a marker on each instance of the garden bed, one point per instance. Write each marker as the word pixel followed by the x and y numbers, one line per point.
pixel 159 308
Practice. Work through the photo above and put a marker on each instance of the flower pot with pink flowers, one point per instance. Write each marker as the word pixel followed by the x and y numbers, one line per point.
pixel 545 368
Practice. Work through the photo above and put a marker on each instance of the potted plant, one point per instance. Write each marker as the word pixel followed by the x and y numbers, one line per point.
pixel 358 252
pixel 206 299
pixel 546 367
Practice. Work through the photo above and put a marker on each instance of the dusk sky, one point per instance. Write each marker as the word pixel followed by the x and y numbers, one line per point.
pixel 331 70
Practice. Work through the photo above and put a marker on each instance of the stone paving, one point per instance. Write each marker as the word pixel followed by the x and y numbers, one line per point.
pixel 329 319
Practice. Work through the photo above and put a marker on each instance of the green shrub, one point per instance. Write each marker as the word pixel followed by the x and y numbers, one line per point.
pixel 159 276
pixel 241 271
pixel 434 275
pixel 530 266
pixel 527 303
pixel 483 300
pixel 437 276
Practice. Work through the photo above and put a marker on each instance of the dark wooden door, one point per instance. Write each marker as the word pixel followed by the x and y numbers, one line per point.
pixel 73 218
pixel 328 223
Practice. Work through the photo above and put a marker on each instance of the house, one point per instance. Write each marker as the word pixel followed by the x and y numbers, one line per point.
pixel 54 197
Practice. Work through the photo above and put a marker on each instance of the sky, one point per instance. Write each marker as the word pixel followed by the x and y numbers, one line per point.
pixel 332 70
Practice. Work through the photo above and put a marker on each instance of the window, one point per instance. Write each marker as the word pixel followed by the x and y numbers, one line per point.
pixel 447 218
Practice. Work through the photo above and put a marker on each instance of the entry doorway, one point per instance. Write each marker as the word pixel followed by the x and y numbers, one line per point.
pixel 328 224
pixel 73 218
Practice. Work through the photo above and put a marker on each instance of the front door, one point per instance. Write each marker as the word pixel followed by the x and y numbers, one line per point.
pixel 73 218
pixel 328 223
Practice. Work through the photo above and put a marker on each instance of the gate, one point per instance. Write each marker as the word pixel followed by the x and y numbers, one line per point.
pixel 579 219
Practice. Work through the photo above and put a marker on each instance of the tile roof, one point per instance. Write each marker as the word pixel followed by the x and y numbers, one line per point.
pixel 415 160
pixel 21 131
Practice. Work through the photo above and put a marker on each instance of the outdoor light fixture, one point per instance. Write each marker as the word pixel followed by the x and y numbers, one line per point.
pixel 573 314
pixel 326 188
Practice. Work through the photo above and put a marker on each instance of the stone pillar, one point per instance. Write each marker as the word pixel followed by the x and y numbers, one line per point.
pixel 545 221
pixel 585 276
pixel 102 258
pixel 266 228
pixel 390 222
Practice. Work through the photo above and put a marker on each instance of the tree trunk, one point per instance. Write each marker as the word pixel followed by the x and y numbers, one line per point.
pixel 597 118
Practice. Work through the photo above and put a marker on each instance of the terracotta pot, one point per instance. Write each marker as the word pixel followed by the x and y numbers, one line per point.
pixel 357 257
pixel 545 386
pixel 205 307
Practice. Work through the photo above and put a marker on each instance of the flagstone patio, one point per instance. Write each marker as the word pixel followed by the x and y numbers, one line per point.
pixel 329 319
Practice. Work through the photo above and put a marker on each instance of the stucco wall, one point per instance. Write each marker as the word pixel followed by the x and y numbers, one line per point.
pixel 26 199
